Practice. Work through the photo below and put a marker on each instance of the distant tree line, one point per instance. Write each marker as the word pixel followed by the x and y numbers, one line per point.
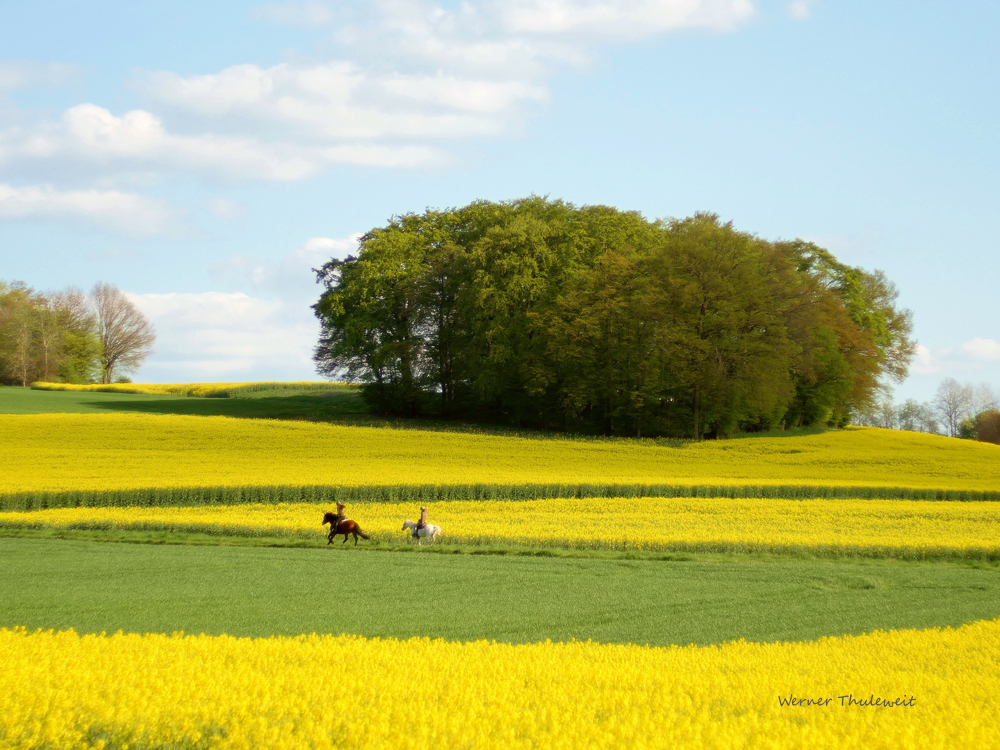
pixel 957 410
pixel 69 337
pixel 538 313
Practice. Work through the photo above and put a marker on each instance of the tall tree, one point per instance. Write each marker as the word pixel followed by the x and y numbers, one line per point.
pixel 371 318
pixel 952 402
pixel 125 334
pixel 723 294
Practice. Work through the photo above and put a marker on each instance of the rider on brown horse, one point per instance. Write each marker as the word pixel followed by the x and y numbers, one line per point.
pixel 340 524
pixel 338 518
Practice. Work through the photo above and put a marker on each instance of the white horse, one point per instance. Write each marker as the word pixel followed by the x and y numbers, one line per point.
pixel 430 531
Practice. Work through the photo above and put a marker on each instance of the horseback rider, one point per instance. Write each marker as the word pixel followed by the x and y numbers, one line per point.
pixel 339 517
pixel 422 522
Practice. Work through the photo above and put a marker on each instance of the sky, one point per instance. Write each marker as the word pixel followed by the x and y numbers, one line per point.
pixel 204 157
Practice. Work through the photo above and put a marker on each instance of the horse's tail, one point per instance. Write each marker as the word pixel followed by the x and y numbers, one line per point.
pixel 361 534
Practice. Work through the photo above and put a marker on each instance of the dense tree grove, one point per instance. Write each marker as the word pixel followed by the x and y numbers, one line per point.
pixel 69 337
pixel 536 312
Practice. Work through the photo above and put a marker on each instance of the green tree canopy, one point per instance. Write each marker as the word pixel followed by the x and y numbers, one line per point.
pixel 537 312
pixel 49 337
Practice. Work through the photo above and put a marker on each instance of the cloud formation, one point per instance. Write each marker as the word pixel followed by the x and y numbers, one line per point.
pixel 266 330
pixel 800 10
pixel 335 102
pixel 91 138
pixel 409 79
pixel 983 350
pixel 15 75
pixel 974 356
pixel 110 210
pixel 291 278
pixel 620 18
pixel 216 335
pixel 295 13
pixel 410 75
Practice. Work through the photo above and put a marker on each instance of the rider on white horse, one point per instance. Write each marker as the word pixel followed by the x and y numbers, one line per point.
pixel 422 522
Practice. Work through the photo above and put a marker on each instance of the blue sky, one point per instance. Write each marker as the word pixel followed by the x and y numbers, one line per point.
pixel 204 157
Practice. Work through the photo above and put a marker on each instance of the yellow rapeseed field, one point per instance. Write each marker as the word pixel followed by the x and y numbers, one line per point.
pixel 877 528
pixel 60 452
pixel 178 389
pixel 932 688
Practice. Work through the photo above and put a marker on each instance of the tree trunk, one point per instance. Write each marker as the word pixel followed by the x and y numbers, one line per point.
pixel 697 405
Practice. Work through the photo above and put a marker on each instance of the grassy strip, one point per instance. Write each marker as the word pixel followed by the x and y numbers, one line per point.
pixel 704 553
pixel 263 591
pixel 184 496
pixel 155 533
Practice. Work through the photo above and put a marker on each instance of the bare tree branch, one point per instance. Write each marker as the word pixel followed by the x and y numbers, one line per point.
pixel 126 336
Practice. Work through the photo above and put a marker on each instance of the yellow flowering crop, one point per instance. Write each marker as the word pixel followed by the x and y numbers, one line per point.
pixel 900 528
pixel 61 452
pixel 68 691
pixel 179 389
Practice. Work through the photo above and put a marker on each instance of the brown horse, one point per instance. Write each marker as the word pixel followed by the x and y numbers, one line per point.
pixel 343 526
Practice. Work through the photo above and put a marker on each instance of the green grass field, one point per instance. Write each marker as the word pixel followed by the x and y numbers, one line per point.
pixel 94 587
pixel 333 404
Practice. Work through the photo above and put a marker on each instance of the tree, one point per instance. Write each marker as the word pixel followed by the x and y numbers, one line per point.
pixel 917 417
pixel 126 336
pixel 988 423
pixel 724 294
pixel 80 360
pixel 539 313
pixel 984 398
pixel 952 403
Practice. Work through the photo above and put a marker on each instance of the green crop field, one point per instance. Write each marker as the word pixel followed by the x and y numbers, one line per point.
pixel 94 587
pixel 321 402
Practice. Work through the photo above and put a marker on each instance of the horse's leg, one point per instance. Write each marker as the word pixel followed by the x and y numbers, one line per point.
pixel 355 537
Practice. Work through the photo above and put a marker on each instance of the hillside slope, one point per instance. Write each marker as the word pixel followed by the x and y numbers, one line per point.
pixel 82 452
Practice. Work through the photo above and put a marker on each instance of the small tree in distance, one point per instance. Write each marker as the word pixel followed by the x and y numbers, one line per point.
pixel 126 336
pixel 988 423
pixel 953 403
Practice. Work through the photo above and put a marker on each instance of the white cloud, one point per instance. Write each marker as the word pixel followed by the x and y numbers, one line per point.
pixel 220 335
pixel 307 13
pixel 268 333
pixel 14 75
pixel 955 361
pixel 621 18
pixel 137 142
pixel 984 350
pixel 339 100
pixel 109 210
pixel 291 278
pixel 800 10
pixel 410 75
pixel 225 209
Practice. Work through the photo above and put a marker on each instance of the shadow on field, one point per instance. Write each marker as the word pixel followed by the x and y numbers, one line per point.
pixel 324 407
